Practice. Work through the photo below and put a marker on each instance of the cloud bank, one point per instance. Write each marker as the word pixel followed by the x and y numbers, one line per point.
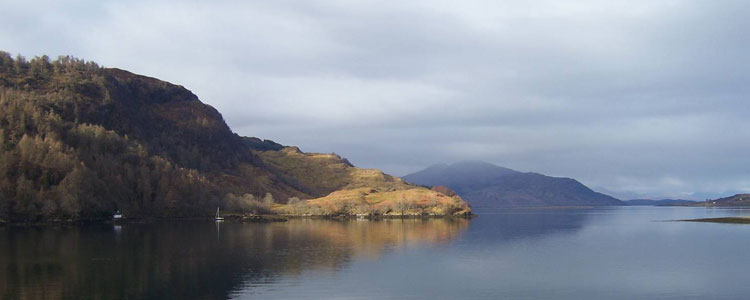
pixel 637 98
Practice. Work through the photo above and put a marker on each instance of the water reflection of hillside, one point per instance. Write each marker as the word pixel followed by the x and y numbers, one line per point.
pixel 506 225
pixel 192 260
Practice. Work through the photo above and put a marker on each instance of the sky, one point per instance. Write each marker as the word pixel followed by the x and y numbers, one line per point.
pixel 635 98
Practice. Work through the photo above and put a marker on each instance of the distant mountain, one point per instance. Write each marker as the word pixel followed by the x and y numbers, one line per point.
pixel 661 202
pixel 461 176
pixel 486 185
pixel 736 200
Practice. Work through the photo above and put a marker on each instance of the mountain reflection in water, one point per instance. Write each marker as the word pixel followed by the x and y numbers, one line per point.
pixel 575 253
pixel 193 260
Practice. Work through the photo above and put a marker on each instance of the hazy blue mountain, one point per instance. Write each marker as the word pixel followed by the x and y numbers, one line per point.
pixel 486 185
pixel 461 176
pixel 660 202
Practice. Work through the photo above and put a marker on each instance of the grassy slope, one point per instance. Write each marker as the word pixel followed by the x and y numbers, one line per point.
pixel 341 188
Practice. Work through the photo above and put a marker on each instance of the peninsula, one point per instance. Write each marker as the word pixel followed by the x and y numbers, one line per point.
pixel 79 141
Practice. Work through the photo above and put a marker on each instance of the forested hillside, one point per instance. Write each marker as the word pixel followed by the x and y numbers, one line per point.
pixel 78 141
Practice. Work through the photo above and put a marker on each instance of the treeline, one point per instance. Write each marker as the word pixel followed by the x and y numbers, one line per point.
pixel 53 166
pixel 77 142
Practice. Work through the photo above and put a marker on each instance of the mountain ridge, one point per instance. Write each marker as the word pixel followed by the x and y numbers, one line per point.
pixel 502 187
pixel 658 202
pixel 734 200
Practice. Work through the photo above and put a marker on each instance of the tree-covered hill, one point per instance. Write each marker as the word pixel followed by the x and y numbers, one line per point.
pixel 79 141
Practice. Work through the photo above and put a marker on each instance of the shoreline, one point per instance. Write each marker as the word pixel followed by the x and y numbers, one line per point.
pixel 725 220
pixel 265 218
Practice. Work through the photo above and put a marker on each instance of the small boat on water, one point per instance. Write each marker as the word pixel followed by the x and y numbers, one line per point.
pixel 117 216
pixel 218 216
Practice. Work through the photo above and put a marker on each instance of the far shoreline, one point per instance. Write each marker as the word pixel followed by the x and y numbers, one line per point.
pixel 725 220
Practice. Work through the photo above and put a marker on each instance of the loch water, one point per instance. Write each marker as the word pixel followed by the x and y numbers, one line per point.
pixel 594 253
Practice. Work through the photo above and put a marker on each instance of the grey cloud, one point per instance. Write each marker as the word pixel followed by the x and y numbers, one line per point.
pixel 635 97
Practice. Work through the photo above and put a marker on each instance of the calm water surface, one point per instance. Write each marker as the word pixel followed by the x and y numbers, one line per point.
pixel 607 253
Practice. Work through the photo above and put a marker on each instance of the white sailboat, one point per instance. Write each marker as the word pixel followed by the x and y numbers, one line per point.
pixel 218 217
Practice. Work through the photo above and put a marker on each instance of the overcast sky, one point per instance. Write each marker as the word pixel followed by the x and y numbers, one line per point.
pixel 636 98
